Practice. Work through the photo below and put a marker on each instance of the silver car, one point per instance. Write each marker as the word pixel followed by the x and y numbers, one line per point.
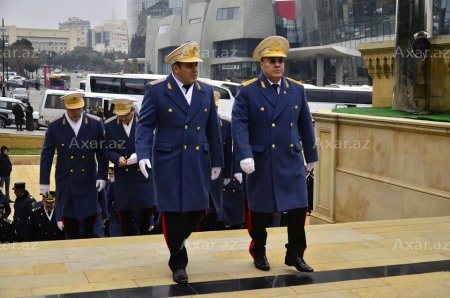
pixel 21 94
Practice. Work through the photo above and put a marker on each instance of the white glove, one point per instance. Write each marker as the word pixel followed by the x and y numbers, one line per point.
pixel 215 172
pixel 132 159
pixel 44 189
pixel 310 166
pixel 248 165
pixel 143 163
pixel 226 181
pixel 60 225
pixel 100 184
pixel 238 177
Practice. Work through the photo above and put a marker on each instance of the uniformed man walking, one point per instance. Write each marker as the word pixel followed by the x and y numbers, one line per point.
pixel 42 225
pixel 178 131
pixel 133 192
pixel 271 125
pixel 79 141
pixel 22 209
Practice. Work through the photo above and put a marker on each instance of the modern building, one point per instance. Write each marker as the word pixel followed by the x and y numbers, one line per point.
pixel 83 27
pixel 44 40
pixel 324 35
pixel 111 36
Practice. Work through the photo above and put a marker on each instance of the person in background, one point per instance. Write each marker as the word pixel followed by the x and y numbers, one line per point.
pixel 23 206
pixel 272 128
pixel 42 225
pixel 5 169
pixel 178 133
pixel 19 116
pixel 7 234
pixel 29 118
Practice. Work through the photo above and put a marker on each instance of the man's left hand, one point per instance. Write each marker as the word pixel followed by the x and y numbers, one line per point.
pixel 132 159
pixel 215 172
pixel 100 184
pixel 310 166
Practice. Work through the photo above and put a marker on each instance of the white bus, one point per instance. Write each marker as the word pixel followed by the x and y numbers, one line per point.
pixel 134 86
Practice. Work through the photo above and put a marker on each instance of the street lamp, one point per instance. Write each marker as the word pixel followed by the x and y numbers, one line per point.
pixel 3 58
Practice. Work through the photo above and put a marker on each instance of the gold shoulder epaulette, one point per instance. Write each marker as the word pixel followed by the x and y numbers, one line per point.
pixel 56 119
pixel 157 81
pixel 245 84
pixel 295 81
pixel 94 117
pixel 111 119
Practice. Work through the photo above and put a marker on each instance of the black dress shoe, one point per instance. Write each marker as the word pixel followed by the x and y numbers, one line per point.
pixel 298 263
pixel 261 263
pixel 180 276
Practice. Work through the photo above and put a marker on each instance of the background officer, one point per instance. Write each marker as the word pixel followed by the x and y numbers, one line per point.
pixel 133 192
pixel 78 139
pixel 7 233
pixel 271 125
pixel 42 225
pixel 178 130
pixel 22 209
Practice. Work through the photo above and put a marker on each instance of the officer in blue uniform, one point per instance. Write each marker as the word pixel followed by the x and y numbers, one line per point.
pixel 133 192
pixel 178 131
pixel 79 141
pixel 271 125
pixel 7 233
pixel 23 205
pixel 42 225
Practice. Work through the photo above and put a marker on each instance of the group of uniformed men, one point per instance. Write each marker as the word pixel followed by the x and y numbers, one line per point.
pixel 172 156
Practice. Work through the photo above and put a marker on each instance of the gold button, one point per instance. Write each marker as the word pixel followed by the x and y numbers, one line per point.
pixel 291 145
pixel 185 146
pixel 292 124
pixel 138 169
pixel 273 146
pixel 62 145
pixel 185 127
pixel 261 109
pixel 198 127
pixel 71 170
pixel 82 170
pixel 197 148
pixel 71 157
pixel 234 190
pixel 205 110
pixel 170 110
pixel 126 170
pixel 274 125
pixel 296 107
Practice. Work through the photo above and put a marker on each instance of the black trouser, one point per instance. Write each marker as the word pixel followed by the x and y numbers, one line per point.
pixel 209 223
pixel 135 224
pixel 177 227
pixel 76 229
pixel 256 226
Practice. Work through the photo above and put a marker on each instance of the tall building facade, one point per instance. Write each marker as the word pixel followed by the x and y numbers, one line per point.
pixel 111 36
pixel 82 26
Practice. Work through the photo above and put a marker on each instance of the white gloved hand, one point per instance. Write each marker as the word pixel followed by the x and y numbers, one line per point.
pixel 143 163
pixel 44 189
pixel 100 184
pixel 60 225
pixel 248 165
pixel 310 166
pixel 238 177
pixel 215 172
pixel 226 181
pixel 132 159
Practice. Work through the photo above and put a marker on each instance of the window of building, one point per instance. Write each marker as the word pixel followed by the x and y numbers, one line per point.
pixel 195 21
pixel 228 13
pixel 164 29
pixel 235 48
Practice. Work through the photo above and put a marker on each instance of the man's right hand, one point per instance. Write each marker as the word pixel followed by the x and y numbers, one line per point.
pixel 60 225
pixel 44 189
pixel 248 165
pixel 143 165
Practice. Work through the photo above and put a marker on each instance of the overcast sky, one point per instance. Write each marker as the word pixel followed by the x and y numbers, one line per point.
pixel 48 13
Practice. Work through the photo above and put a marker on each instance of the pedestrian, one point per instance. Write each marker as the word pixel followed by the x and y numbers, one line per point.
pixel 7 233
pixel 5 169
pixel 22 209
pixel 42 225
pixel 29 117
pixel 271 126
pixel 81 167
pixel 135 203
pixel 178 134
pixel 18 116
